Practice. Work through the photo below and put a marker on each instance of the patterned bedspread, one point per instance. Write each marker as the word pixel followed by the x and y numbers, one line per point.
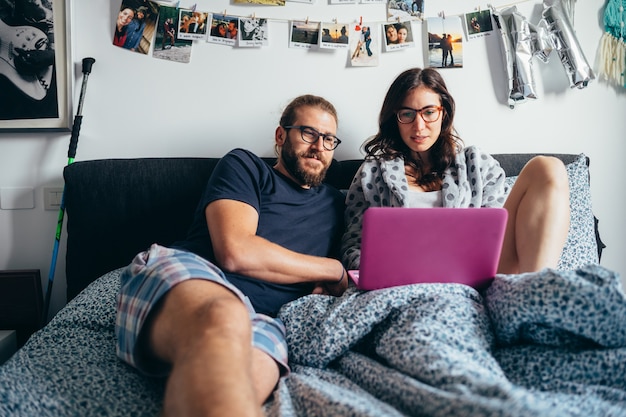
pixel 545 344
pixel 549 344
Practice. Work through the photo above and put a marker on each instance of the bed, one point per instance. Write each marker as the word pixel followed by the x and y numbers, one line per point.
pixel 551 343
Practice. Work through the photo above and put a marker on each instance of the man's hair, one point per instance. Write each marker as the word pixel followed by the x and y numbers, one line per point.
pixel 308 100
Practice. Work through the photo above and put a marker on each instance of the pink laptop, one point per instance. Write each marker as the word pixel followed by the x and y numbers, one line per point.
pixel 401 246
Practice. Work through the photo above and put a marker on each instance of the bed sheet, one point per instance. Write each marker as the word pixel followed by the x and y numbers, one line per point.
pixel 540 344
pixel 545 344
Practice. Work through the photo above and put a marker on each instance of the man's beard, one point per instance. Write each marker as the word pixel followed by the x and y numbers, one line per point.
pixel 294 165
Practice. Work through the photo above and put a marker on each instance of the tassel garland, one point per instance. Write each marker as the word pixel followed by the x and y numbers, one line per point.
pixel 612 52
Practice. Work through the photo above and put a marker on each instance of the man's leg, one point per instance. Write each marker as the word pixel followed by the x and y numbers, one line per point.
pixel 203 330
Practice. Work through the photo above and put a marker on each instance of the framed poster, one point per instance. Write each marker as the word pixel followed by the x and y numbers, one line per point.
pixel 36 69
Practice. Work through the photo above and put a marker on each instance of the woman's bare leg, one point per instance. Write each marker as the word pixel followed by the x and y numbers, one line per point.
pixel 539 215
pixel 204 331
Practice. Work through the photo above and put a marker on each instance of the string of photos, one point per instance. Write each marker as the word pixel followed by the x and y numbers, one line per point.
pixel 169 31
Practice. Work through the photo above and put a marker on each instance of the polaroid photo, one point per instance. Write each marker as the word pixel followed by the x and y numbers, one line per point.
pixel 134 24
pixel 265 2
pixel 167 45
pixel 224 29
pixel 398 36
pixel 478 24
pixel 304 34
pixel 401 10
pixel 192 24
pixel 364 46
pixel 334 35
pixel 253 32
pixel 445 42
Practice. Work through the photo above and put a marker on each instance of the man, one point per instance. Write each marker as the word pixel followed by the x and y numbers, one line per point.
pixel 443 44
pixel 168 32
pixel 204 309
pixel 232 30
pixel 367 35
pixel 450 47
pixel 417 7
pixel 193 24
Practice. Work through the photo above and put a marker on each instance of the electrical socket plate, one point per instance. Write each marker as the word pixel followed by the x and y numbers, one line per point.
pixel 52 197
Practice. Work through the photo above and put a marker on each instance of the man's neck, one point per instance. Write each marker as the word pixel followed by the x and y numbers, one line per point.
pixel 285 172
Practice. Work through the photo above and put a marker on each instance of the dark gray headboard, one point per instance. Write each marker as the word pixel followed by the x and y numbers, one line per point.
pixel 118 207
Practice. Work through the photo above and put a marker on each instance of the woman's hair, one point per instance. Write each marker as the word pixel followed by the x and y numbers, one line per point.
pixel 388 143
pixel 289 114
pixel 401 26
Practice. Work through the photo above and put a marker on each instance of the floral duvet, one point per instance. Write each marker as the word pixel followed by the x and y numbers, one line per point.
pixel 551 343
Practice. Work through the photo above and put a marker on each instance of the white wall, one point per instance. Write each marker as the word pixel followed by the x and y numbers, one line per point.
pixel 138 106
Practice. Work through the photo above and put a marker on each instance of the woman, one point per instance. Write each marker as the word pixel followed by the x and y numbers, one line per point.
pixel 403 33
pixel 135 29
pixel 124 17
pixel 219 30
pixel 250 27
pixel 417 160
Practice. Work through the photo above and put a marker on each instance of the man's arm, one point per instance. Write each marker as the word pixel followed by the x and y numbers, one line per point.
pixel 232 227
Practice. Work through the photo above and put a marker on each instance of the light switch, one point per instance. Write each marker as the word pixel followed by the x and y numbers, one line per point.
pixel 52 197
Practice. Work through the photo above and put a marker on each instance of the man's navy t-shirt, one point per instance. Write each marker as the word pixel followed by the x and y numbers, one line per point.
pixel 308 221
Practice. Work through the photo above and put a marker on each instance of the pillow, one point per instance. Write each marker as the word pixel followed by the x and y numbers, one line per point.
pixel 581 247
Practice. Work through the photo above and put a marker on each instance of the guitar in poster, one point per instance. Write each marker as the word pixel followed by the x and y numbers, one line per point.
pixel 27 60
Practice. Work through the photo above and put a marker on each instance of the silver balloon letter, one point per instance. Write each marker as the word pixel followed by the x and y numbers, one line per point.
pixel 556 14
pixel 518 45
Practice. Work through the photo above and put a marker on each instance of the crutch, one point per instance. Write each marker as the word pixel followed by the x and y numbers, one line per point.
pixel 71 154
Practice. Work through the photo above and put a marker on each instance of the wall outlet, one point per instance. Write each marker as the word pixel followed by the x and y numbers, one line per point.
pixel 52 197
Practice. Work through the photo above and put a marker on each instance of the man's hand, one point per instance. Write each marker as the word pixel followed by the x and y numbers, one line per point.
pixel 332 288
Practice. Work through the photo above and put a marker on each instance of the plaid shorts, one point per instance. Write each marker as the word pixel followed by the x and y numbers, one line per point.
pixel 150 276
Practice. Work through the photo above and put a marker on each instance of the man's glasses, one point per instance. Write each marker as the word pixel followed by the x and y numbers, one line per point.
pixel 428 114
pixel 311 135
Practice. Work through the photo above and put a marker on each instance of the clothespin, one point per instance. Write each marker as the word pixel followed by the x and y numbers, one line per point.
pixel 358 27
pixel 193 8
pixel 442 14
pixel 307 20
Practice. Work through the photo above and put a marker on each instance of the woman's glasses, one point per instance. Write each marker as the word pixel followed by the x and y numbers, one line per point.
pixel 428 114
